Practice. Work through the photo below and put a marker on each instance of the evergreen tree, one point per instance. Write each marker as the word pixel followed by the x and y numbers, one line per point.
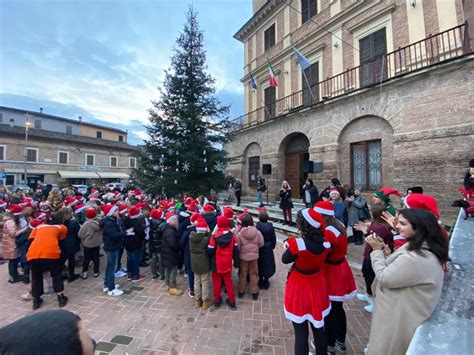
pixel 188 125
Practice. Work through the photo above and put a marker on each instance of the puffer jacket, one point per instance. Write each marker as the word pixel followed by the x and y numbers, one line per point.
pixel 91 233
pixel 10 233
pixel 156 236
pixel 112 233
pixel 266 259
pixel 250 240
pixel 72 243
pixel 170 247
pixel 134 241
pixel 223 249
pixel 198 242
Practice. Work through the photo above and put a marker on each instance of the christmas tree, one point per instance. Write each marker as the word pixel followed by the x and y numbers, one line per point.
pixel 188 125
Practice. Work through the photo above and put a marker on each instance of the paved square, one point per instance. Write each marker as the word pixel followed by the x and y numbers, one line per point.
pixel 161 324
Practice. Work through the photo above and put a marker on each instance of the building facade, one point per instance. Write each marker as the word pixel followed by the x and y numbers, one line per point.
pixel 387 99
pixel 61 151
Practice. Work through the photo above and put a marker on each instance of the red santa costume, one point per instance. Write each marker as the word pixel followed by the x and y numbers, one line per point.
pixel 306 298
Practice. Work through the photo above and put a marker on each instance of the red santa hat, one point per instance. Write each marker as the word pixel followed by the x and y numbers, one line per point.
pixel 324 207
pixel 80 207
pixel 42 216
pixel 208 208
pixel 223 223
pixel 3 204
pixel 156 213
pixel 313 218
pixel 91 213
pixel 195 217
pixel 136 192
pixel 424 202
pixel 26 204
pixel 134 212
pixel 171 206
pixel 228 212
pixel 80 199
pixel 109 196
pixel 170 216
pixel 188 201
pixel 122 208
pixel 334 192
pixel 192 208
pixel 35 222
pixel 69 200
pixel 45 206
pixel 385 192
pixel 246 211
pixel 109 209
pixel 201 225
pixel 15 210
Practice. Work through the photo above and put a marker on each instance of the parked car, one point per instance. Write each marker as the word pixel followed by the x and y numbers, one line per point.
pixel 115 185
pixel 81 188
pixel 25 188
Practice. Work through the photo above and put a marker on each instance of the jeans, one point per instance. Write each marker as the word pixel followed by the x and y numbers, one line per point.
pixel 301 339
pixel 229 285
pixel 336 324
pixel 190 278
pixel 71 263
pixel 369 275
pixel 91 254
pixel 38 267
pixel 134 259
pixel 170 276
pixel 260 197
pixel 109 278
pixel 119 259
pixel 13 267
pixel 202 290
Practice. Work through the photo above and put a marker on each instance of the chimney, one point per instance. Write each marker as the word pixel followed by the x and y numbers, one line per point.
pixel 41 110
pixel 80 118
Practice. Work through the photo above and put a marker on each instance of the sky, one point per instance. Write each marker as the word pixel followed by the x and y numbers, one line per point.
pixel 104 59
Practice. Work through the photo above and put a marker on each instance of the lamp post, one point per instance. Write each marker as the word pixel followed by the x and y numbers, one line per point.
pixel 27 126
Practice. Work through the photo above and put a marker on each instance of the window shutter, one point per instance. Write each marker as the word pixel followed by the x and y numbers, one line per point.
pixel 380 43
pixel 313 8
pixel 304 11
pixel 365 49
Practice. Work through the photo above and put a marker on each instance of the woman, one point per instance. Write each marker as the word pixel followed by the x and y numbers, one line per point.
pixel 13 226
pixel 55 199
pixel 71 244
pixel 358 212
pixel 306 298
pixel 310 193
pixel 408 282
pixel 285 202
pixel 339 205
pixel 266 259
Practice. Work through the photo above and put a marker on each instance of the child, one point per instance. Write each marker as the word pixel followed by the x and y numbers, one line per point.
pixel 91 236
pixel 170 253
pixel 223 248
pixel 134 244
pixel 200 265
pixel 249 240
pixel 155 243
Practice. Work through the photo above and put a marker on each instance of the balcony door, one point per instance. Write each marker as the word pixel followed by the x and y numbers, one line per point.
pixel 372 50
pixel 310 76
pixel 270 98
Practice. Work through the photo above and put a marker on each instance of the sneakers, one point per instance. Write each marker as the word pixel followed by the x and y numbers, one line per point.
pixel 369 308
pixel 155 276
pixel 231 304
pixel 72 278
pixel 198 303
pixel 27 297
pixel 115 292
pixel 206 305
pixel 138 278
pixel 106 289
pixel 340 347
pixel 62 300
pixel 37 303
pixel 218 304
pixel 364 297
pixel 175 292
pixel 191 293
pixel 84 275
pixel 120 273
pixel 14 280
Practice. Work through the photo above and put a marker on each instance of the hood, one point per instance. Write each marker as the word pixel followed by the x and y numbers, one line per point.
pixel 196 238
pixel 105 220
pixel 224 239
pixel 264 227
pixel 248 233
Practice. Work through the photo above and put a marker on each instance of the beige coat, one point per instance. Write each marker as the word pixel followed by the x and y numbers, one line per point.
pixel 10 232
pixel 407 289
pixel 91 234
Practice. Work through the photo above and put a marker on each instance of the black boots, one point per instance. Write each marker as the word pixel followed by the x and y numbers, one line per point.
pixel 62 300
pixel 37 302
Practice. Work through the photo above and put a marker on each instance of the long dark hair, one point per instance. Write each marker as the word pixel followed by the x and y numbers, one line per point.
pixel 307 230
pixel 427 230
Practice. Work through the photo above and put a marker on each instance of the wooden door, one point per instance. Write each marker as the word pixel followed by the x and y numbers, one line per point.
pixel 372 51
pixel 293 172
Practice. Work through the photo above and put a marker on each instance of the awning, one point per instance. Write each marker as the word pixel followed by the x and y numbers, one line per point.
pixel 77 174
pixel 112 175
pixel 31 171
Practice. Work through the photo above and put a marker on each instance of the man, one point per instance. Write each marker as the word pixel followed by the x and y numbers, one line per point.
pixel 238 190
pixel 261 188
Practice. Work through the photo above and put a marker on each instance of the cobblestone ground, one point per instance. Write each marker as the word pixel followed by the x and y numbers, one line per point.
pixel 149 321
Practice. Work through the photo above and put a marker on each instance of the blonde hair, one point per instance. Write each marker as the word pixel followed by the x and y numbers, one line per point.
pixel 55 196
pixel 283 183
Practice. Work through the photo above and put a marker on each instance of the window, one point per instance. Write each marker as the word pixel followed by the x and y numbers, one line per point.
pixel 37 124
pixel 310 95
pixel 269 37
pixel 68 129
pixel 99 134
pixel 10 180
pixel 32 155
pixel 3 152
pixel 90 159
pixel 63 158
pixel 1 117
pixel 254 166
pixel 372 50
pixel 120 138
pixel 366 164
pixel 113 161
pixel 270 98
pixel 132 162
pixel 309 8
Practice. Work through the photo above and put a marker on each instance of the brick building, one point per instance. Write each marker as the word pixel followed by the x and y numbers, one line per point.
pixel 61 150
pixel 387 99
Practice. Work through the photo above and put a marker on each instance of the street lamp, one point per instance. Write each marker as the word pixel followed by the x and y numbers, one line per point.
pixel 27 126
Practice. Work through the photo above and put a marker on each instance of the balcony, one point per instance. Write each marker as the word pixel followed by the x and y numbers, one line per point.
pixel 444 46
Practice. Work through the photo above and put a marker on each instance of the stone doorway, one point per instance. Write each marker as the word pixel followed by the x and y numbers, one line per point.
pixel 296 154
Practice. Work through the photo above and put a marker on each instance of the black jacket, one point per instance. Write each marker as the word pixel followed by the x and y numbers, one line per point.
pixel 169 247
pixel 313 194
pixel 238 187
pixel 156 236
pixel 112 233
pixel 135 241
pixel 285 200
pixel 184 245
pixel 211 221
pixel 261 185
pixel 71 244
pixel 266 259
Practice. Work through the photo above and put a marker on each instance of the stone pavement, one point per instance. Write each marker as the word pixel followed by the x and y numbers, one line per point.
pixel 149 321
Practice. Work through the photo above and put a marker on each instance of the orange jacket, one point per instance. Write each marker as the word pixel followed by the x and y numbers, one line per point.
pixel 45 243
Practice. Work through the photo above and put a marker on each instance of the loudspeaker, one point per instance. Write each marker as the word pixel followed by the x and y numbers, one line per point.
pixel 266 169
pixel 307 166
pixel 318 167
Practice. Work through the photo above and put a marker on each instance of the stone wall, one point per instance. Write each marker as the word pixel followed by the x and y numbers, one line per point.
pixel 425 121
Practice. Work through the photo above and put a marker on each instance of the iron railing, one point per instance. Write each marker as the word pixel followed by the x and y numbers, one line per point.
pixel 434 49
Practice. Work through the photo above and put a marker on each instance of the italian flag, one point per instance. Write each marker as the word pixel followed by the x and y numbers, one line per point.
pixel 271 73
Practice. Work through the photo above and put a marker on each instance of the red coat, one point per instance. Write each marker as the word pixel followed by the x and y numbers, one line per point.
pixel 223 249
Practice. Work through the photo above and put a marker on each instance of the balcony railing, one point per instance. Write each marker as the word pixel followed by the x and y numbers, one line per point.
pixel 434 49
